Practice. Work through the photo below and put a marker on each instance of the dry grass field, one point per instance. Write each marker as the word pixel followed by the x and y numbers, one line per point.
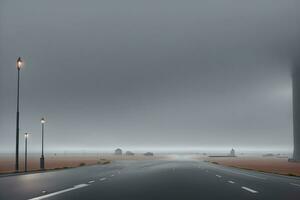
pixel 65 161
pixel 263 164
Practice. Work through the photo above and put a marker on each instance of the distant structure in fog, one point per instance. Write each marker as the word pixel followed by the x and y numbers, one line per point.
pixel 232 153
pixel 118 151
pixel 148 154
pixel 129 153
pixel 268 155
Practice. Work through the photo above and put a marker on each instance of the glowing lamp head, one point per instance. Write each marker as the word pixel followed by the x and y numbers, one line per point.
pixel 19 63
pixel 43 121
pixel 26 135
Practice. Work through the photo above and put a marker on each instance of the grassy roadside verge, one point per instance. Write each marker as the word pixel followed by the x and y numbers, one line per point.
pixel 81 164
pixel 257 170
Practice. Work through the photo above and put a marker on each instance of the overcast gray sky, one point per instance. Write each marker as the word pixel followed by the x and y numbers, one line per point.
pixel 141 74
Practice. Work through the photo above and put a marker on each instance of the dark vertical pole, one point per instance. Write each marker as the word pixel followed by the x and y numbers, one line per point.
pixel 26 152
pixel 42 159
pixel 42 139
pixel 296 112
pixel 17 125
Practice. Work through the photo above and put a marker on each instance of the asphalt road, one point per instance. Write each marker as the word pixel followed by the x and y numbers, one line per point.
pixel 130 180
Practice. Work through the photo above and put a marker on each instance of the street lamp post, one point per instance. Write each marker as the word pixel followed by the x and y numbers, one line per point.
pixel 19 66
pixel 26 137
pixel 42 159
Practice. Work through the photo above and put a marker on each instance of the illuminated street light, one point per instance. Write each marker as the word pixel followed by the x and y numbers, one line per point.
pixel 42 159
pixel 19 63
pixel 19 66
pixel 43 121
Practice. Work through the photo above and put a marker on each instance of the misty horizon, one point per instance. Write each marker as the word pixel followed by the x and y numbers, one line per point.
pixel 149 75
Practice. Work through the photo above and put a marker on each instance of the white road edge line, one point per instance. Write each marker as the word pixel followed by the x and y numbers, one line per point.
pixel 249 189
pixel 295 184
pixel 60 192
pixel 232 182
pixel 218 176
pixel 235 172
pixel 102 179
pixel 91 182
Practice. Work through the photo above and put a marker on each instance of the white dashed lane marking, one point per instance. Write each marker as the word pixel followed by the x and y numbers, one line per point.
pixel 232 182
pixel 249 189
pixel 102 179
pixel 91 182
pixel 295 184
pixel 60 192
pixel 218 176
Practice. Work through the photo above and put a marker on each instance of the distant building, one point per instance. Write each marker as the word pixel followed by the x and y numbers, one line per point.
pixel 232 153
pixel 148 154
pixel 118 151
pixel 129 153
pixel 268 155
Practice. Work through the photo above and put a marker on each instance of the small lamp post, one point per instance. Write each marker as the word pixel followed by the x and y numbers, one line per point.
pixel 42 159
pixel 19 66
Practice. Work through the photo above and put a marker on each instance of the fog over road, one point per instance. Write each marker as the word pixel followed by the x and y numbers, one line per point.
pixel 154 75
pixel 173 179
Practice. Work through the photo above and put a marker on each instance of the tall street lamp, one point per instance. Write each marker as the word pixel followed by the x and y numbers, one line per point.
pixel 42 159
pixel 26 137
pixel 19 66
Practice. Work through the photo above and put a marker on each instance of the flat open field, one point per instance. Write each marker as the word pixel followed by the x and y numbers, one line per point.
pixel 272 164
pixel 64 161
